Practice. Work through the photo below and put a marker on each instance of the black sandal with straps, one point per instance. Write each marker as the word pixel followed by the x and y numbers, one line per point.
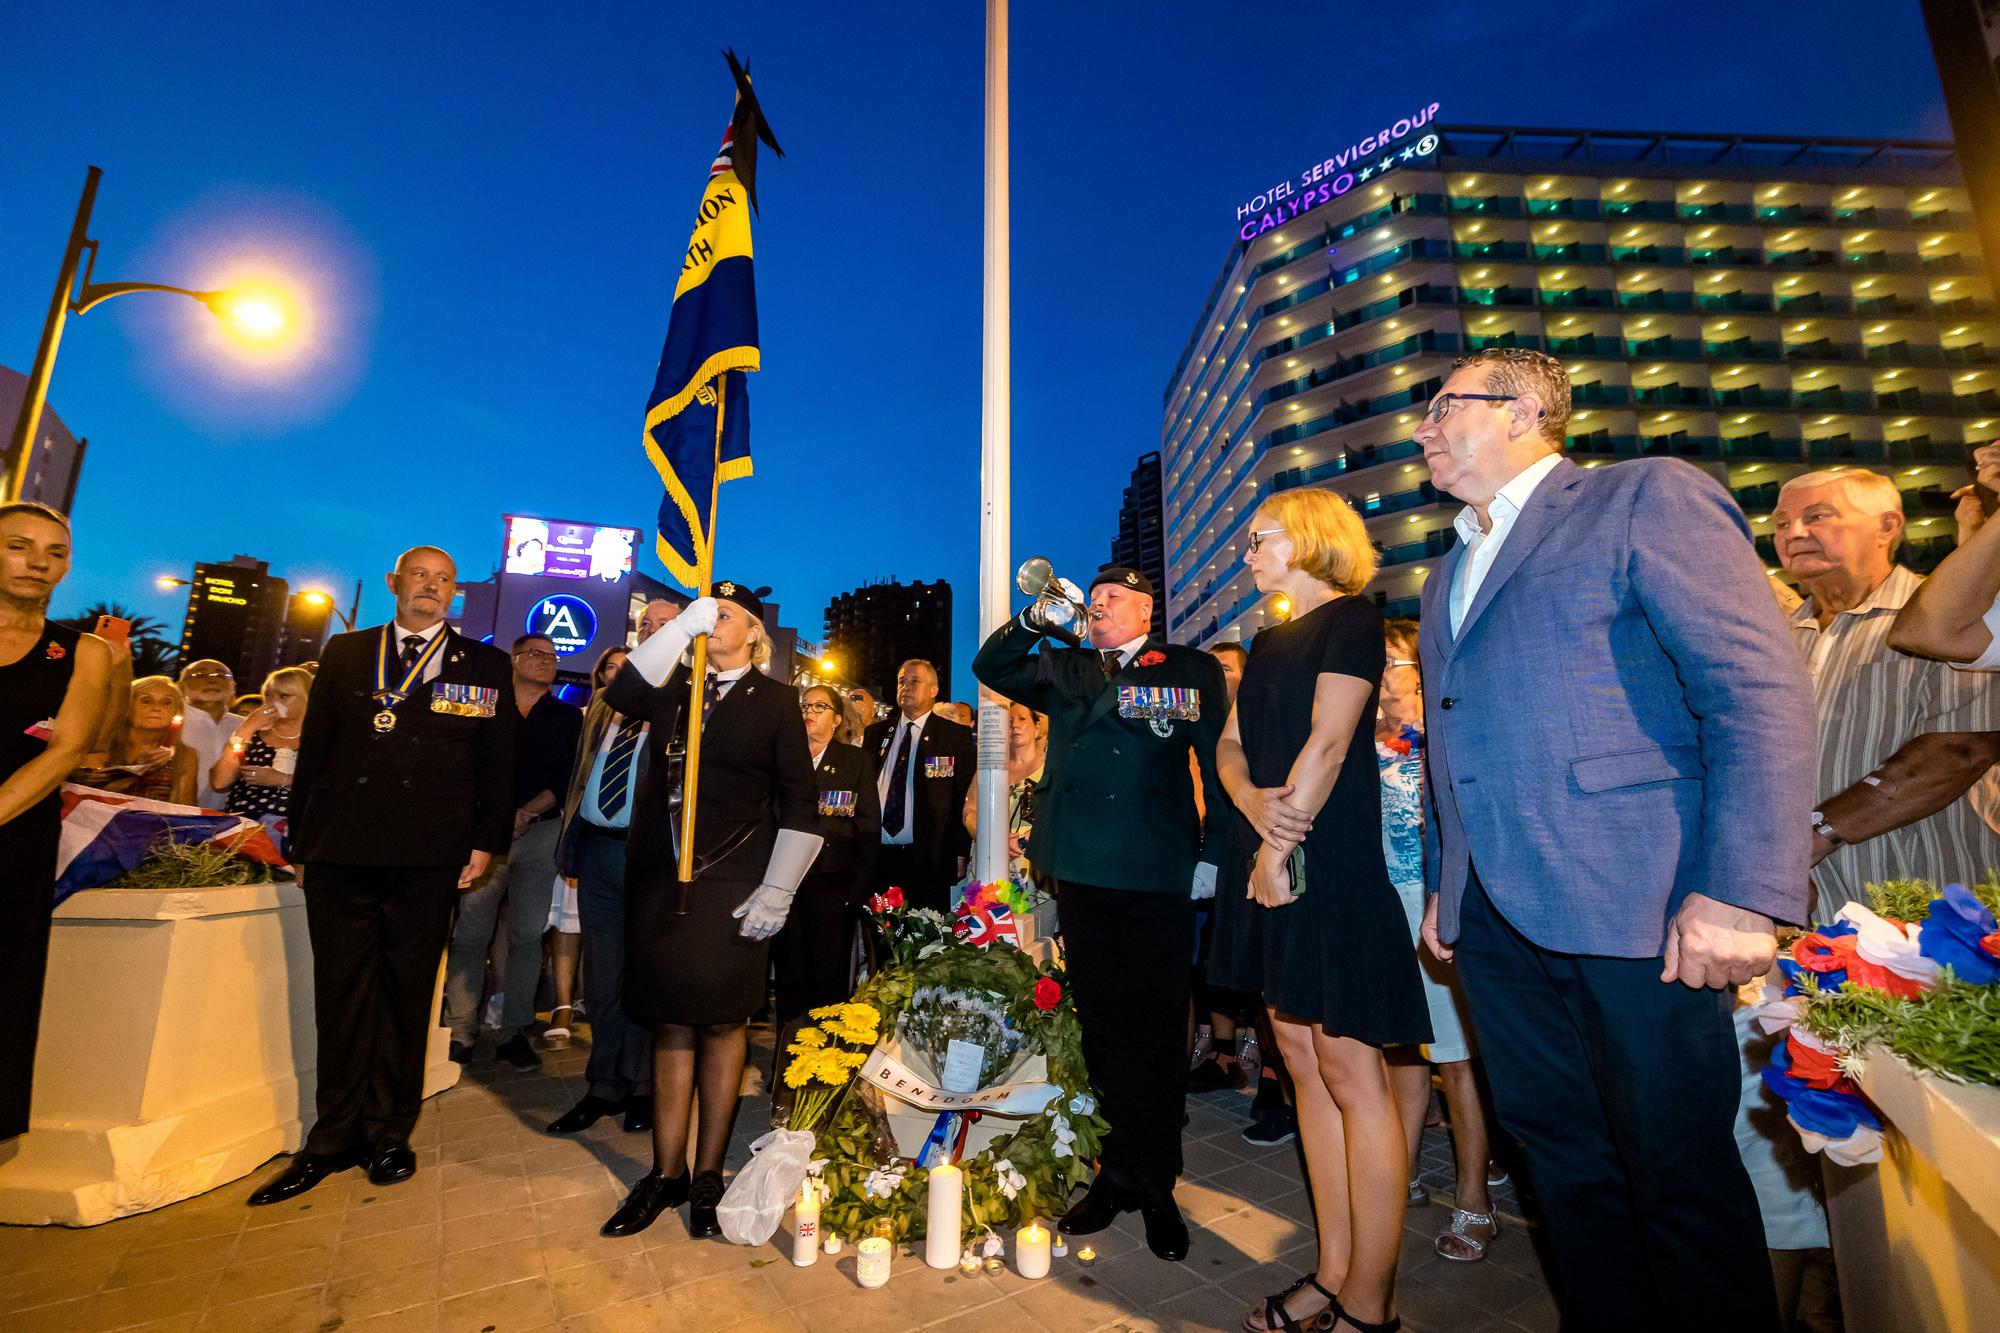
pixel 1341 1316
pixel 1277 1319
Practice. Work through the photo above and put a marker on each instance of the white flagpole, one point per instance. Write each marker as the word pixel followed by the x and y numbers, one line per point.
pixel 989 859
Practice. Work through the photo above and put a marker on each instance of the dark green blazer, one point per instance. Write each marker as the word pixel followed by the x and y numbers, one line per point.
pixel 1117 804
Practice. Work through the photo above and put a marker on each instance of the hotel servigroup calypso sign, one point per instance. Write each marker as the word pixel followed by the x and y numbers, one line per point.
pixel 1332 177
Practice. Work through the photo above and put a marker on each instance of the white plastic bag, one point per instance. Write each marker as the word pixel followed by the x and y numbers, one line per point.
pixel 756 1200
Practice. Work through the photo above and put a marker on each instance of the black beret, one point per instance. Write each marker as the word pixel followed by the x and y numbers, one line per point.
pixel 1124 578
pixel 750 599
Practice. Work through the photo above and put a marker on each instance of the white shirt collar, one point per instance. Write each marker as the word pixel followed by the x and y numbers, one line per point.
pixel 820 753
pixel 1507 504
pixel 1126 650
pixel 731 676
pixel 403 631
pixel 918 724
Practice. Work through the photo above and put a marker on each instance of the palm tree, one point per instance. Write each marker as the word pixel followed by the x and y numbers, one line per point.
pixel 152 652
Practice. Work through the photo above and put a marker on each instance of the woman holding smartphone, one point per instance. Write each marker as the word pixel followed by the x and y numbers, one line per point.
pixel 52 699
pixel 256 766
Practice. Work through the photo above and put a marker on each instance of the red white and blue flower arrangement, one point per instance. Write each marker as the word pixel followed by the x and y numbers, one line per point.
pixel 1917 972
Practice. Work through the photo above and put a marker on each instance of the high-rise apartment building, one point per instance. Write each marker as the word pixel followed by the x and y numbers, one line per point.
pixel 875 629
pixel 1139 544
pixel 1757 306
pixel 236 615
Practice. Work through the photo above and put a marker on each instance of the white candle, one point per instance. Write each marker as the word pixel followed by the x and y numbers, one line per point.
pixel 942 1238
pixel 1031 1250
pixel 805 1226
pixel 832 1242
pixel 871 1261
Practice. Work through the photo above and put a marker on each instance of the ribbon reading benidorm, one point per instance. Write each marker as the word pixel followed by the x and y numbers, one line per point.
pixel 388 697
pixel 895 1078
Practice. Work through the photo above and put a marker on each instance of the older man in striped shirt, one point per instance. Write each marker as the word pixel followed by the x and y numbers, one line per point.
pixel 1902 739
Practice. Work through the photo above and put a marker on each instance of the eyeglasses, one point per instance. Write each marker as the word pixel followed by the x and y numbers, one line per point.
pixel 1445 404
pixel 539 653
pixel 815 708
pixel 1257 539
pixel 208 675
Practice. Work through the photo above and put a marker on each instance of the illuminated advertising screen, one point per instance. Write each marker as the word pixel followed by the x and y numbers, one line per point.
pixel 547 547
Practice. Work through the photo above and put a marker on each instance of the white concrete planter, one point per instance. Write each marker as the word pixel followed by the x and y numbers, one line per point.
pixel 1917 1235
pixel 176 1051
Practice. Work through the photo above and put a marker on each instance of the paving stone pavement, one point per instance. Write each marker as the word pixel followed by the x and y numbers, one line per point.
pixel 498 1232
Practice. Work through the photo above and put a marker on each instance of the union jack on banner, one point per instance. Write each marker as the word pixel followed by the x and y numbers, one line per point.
pixel 986 924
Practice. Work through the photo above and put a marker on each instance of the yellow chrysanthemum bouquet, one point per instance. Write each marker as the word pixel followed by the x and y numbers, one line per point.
pixel 822 1061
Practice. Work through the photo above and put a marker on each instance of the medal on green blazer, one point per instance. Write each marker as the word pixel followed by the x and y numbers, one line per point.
pixel 390 695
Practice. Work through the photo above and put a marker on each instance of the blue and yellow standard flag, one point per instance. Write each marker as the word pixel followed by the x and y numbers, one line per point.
pixel 698 416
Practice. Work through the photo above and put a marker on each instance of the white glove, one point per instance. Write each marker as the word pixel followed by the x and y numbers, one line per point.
pixel 1036 616
pixel 656 657
pixel 1204 881
pixel 763 913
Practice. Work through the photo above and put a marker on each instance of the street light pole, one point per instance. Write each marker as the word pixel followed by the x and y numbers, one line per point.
pixel 27 426
pixel 989 857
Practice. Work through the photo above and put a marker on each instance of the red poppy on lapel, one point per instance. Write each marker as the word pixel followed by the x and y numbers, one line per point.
pixel 1153 658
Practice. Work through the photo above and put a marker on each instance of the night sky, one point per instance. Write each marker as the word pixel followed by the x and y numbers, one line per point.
pixel 491 201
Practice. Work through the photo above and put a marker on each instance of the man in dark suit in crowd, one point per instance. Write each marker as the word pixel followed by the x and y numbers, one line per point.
pixel 402 798
pixel 1117 829
pixel 924 765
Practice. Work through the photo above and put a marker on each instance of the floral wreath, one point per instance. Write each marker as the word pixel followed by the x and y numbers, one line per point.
pixel 1028 1173
pixel 1917 971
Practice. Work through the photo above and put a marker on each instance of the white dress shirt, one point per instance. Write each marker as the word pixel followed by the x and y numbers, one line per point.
pixel 207 738
pixel 1482 546
pixel 399 632
pixel 904 838
pixel 1126 651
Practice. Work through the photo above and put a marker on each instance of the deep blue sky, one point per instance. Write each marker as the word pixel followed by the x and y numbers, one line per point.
pixel 498 195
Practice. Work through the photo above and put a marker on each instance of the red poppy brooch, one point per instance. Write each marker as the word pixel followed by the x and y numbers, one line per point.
pixel 1153 658
pixel 56 652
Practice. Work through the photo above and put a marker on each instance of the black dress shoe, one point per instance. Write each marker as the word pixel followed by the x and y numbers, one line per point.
pixel 306 1171
pixel 1166 1232
pixel 516 1053
pixel 460 1052
pixel 583 1115
pixel 653 1195
pixel 1095 1210
pixel 391 1162
pixel 638 1113
pixel 702 1199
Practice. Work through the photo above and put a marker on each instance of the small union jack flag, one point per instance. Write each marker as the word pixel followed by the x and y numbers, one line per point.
pixel 985 924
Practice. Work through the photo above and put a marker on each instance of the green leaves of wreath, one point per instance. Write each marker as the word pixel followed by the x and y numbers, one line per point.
pixel 1035 1151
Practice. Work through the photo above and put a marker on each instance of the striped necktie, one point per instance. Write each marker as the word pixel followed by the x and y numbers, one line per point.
pixel 616 786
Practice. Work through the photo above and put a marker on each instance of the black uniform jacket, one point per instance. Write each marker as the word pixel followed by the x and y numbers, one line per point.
pixel 756 777
pixel 945 763
pixel 1116 807
pixel 425 794
pixel 854 835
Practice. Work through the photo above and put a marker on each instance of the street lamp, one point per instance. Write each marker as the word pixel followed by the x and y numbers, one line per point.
pixel 320 597
pixel 256 316
pixel 166 583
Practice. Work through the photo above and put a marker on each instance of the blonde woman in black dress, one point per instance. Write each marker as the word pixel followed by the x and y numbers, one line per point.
pixel 53 684
pixel 697 954
pixel 1331 954
pixel 256 766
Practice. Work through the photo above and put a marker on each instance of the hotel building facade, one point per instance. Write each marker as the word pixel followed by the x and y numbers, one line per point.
pixel 1757 306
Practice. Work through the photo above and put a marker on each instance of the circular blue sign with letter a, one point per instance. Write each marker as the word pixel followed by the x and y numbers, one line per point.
pixel 568 621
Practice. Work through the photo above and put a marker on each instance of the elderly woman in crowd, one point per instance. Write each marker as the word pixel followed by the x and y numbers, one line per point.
pixel 1327 944
pixel 147 758
pixel 256 765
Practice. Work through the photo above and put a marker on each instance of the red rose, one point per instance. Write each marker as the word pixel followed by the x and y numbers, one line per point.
pixel 56 652
pixel 886 901
pixel 1153 658
pixel 1047 994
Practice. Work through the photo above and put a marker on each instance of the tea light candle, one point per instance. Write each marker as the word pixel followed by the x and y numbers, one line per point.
pixel 1061 1247
pixel 968 1264
pixel 1086 1256
pixel 871 1261
pixel 994 1265
pixel 832 1242
pixel 805 1226
pixel 1031 1251
pixel 943 1238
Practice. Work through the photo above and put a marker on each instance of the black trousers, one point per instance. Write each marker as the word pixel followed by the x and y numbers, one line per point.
pixel 621 1050
pixel 1126 954
pixel 378 935
pixel 813 956
pixel 1622 1090
pixel 899 867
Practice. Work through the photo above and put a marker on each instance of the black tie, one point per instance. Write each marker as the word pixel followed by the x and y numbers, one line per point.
pixel 894 807
pixel 710 696
pixel 413 648
pixel 1111 662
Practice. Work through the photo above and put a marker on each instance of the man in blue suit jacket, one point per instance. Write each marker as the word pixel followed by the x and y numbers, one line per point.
pixel 1621 746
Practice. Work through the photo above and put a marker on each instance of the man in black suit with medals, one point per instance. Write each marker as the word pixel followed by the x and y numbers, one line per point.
pixel 402 797
pixel 1117 829
pixel 924 765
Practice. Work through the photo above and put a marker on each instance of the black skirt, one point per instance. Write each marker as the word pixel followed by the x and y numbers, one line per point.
pixel 696 968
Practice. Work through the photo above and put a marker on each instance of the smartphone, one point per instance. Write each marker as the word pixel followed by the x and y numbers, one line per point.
pixel 113 627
